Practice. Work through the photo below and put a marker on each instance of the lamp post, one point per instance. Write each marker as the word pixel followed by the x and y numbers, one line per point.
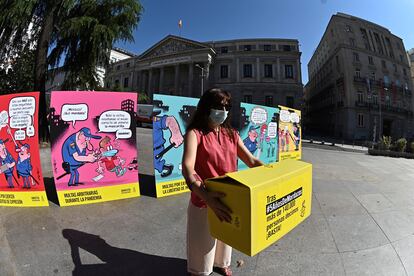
pixel 202 77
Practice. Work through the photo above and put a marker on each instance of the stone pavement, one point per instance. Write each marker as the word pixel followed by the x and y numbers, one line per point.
pixel 362 223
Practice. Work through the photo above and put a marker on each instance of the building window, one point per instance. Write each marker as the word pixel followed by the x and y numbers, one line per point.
pixel 360 97
pixel 287 48
pixel 268 70
pixel 360 120
pixel 224 71
pixel 384 64
pixel 358 73
pixel 247 71
pixel 356 57
pixel 116 83
pixel 118 67
pixel 269 100
pixel 288 71
pixel 224 49
pixel 127 65
pixel 375 99
pixel 108 85
pixel 370 60
pixel 352 42
pixel 395 67
pixel 372 75
pixel 247 47
pixel 348 29
pixel 290 101
pixel 126 80
pixel 267 48
pixel 405 72
pixel 247 98
pixel 401 58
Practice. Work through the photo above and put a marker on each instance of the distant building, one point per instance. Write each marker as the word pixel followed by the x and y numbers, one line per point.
pixel 410 54
pixel 260 71
pixel 359 82
pixel 116 54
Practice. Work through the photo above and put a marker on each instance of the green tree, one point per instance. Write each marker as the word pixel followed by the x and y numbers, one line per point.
pixel 19 76
pixel 75 33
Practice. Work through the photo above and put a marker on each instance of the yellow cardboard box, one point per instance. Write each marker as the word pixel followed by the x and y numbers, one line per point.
pixel 266 202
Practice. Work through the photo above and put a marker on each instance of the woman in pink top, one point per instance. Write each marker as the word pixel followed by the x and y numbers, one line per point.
pixel 211 148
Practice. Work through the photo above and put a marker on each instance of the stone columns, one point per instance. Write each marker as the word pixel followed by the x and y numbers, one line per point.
pixel 190 78
pixel 161 79
pixel 177 79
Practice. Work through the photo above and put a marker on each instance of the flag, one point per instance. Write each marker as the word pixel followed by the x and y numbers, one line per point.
pixel 180 23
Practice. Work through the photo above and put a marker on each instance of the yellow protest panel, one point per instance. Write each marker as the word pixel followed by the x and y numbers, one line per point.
pixel 266 202
pixel 98 194
pixel 290 134
pixel 171 188
pixel 23 199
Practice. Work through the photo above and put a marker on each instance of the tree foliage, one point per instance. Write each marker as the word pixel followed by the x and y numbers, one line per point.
pixel 76 34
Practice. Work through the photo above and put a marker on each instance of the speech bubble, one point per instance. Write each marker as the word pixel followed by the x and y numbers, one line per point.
pixel 123 134
pixel 114 120
pixel 21 121
pixel 4 118
pixel 19 135
pixel 74 112
pixel 294 117
pixel 22 106
pixel 285 116
pixel 272 130
pixel 30 131
pixel 258 115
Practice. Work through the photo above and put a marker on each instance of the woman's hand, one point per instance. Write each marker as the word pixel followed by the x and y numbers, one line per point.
pixel 222 211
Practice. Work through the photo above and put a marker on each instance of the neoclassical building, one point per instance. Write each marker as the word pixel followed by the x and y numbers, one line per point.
pixel 260 71
pixel 359 82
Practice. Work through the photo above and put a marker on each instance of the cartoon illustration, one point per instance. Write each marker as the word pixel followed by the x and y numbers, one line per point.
pixel 24 166
pixel 271 147
pixel 109 160
pixel 263 130
pixel 159 124
pixel 251 140
pixel 74 154
pixel 7 164
pixel 296 135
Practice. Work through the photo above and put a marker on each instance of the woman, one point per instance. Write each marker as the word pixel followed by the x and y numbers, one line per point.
pixel 211 148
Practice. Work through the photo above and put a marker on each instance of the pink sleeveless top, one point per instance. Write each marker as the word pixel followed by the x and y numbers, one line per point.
pixel 216 156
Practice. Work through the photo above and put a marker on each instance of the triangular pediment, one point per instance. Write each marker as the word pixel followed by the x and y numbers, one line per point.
pixel 172 45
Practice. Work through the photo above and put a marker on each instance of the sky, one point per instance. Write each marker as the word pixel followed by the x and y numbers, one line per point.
pixel 304 20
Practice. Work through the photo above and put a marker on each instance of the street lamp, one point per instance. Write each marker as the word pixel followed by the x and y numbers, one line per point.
pixel 202 76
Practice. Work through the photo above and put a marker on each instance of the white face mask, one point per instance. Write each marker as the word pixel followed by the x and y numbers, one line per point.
pixel 218 116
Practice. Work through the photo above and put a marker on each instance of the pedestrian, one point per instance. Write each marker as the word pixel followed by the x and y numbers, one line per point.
pixel 211 148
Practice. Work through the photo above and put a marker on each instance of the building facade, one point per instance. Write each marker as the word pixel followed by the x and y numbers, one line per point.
pixel 410 55
pixel 359 82
pixel 115 55
pixel 260 71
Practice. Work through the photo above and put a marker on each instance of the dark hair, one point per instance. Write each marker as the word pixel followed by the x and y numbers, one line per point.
pixel 211 98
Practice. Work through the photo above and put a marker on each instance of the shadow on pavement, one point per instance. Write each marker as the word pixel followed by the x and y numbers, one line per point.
pixel 118 261
pixel 51 190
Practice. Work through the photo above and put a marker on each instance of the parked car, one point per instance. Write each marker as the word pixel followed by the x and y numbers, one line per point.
pixel 144 115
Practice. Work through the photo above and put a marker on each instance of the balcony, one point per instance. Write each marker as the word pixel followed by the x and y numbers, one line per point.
pixel 361 104
pixel 359 79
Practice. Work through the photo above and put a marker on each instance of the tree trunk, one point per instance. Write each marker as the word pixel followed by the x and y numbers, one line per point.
pixel 40 71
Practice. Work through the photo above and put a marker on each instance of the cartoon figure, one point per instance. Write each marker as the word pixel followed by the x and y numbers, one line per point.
pixel 296 135
pixel 74 153
pixel 160 124
pixel 7 164
pixel 251 140
pixel 271 147
pixel 263 129
pixel 109 157
pixel 24 167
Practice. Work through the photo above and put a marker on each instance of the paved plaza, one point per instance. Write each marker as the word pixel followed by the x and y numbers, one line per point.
pixel 362 223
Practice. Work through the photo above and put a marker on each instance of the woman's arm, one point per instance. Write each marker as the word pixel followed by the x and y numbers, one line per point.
pixel 244 154
pixel 195 183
